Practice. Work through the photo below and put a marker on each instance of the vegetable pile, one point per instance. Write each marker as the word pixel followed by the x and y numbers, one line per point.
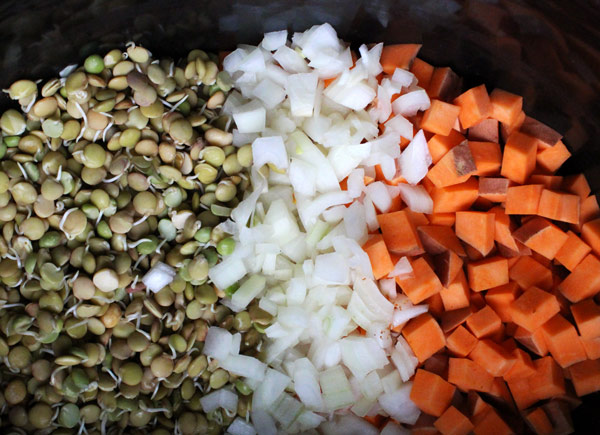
pixel 312 240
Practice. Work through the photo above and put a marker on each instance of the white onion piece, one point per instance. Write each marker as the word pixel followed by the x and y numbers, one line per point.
pixel 270 150
pixel 337 392
pixel 296 291
pixel 269 390
pixel 218 343
pixel 159 276
pixel 246 366
pixel 402 267
pixel 379 194
pixel 388 288
pixel 290 60
pixel 249 289
pixel 240 426
pixel 409 104
pixel 334 214
pixel 415 160
pixel 222 398
pixel 305 150
pixel 355 96
pixel 400 125
pixel 250 117
pixel 306 384
pixel 303 177
pixel 301 90
pixel 362 355
pixel 286 410
pixel 399 406
pixel 405 314
pixel 332 268
pixel 263 422
pixel 371 386
pixel 309 420
pixel 273 40
pixel 345 158
pixel 254 62
pixel 310 210
pixel 233 60
pixel 370 58
pixel 404 359
pixel 403 78
pixel 283 223
pixel 227 272
pixel 355 222
pixel 371 215
pixel 356 182
pixel 416 198
pixel 269 92
pixel 348 424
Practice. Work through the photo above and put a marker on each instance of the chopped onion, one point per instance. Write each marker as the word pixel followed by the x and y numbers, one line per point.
pixel 379 194
pixel 269 92
pixel 409 104
pixel 273 40
pixel 290 60
pixel 371 386
pixel 246 366
pixel 273 384
pixel 403 78
pixel 218 343
pixel 222 398
pixel 270 150
pixel 402 267
pixel 306 384
pixel 388 288
pixel 348 424
pixel 254 62
pixel 416 198
pixel 239 426
pixel 250 118
pixel 399 406
pixel 415 160
pixel 227 272
pixel 400 125
pixel 404 359
pixel 405 314
pixel 158 277
pixel 337 392
pixel 301 89
pixel 303 177
pixel 332 269
pixel 286 409
pixel 362 355
pixel 263 422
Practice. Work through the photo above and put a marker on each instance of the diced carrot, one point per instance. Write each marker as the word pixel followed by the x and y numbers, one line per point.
pixel 422 71
pixel 548 380
pixel 476 229
pixel 444 84
pixel 545 135
pixel 439 144
pixel 507 129
pixel 461 342
pixel 431 393
pixel 447 266
pixel 589 210
pixel 398 56
pixel 488 273
pixel 572 252
pixel 506 107
pixel 487 156
pixel 503 228
pixel 440 117
pixel 476 404
pixel 489 422
pixel 541 236
pixel 445 219
pixel 484 322
pixel 528 273
pixel 559 413
pixel 437 363
pixel 454 318
pixel 534 341
pixel 500 299
pixel 437 239
pixel 592 347
pixel 474 105
pixel 435 305
pixel 563 341
pixel 577 185
pixel 523 199
pixel 468 375
pixel 455 198
pixel 473 254
pixel 562 207
pixel 454 168
pixel 417 219
pixel 424 336
pixel 534 308
pixel 590 233
pixel 523 366
pixel 552 158
pixel 587 318
pixel 422 284
pixel 379 256
pixel 539 422
pixel 551 182
pixel 424 425
pixel 585 376
pixel 477 301
pixel 399 233
pixel 493 189
pixel 518 161
pixel 453 422
pixel 492 357
pixel 584 281
pixel 522 394
pixel 487 130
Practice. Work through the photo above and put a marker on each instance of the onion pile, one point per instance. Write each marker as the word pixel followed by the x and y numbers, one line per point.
pixel 329 350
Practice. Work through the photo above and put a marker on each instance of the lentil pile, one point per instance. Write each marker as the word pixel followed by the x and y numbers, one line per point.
pixel 118 167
